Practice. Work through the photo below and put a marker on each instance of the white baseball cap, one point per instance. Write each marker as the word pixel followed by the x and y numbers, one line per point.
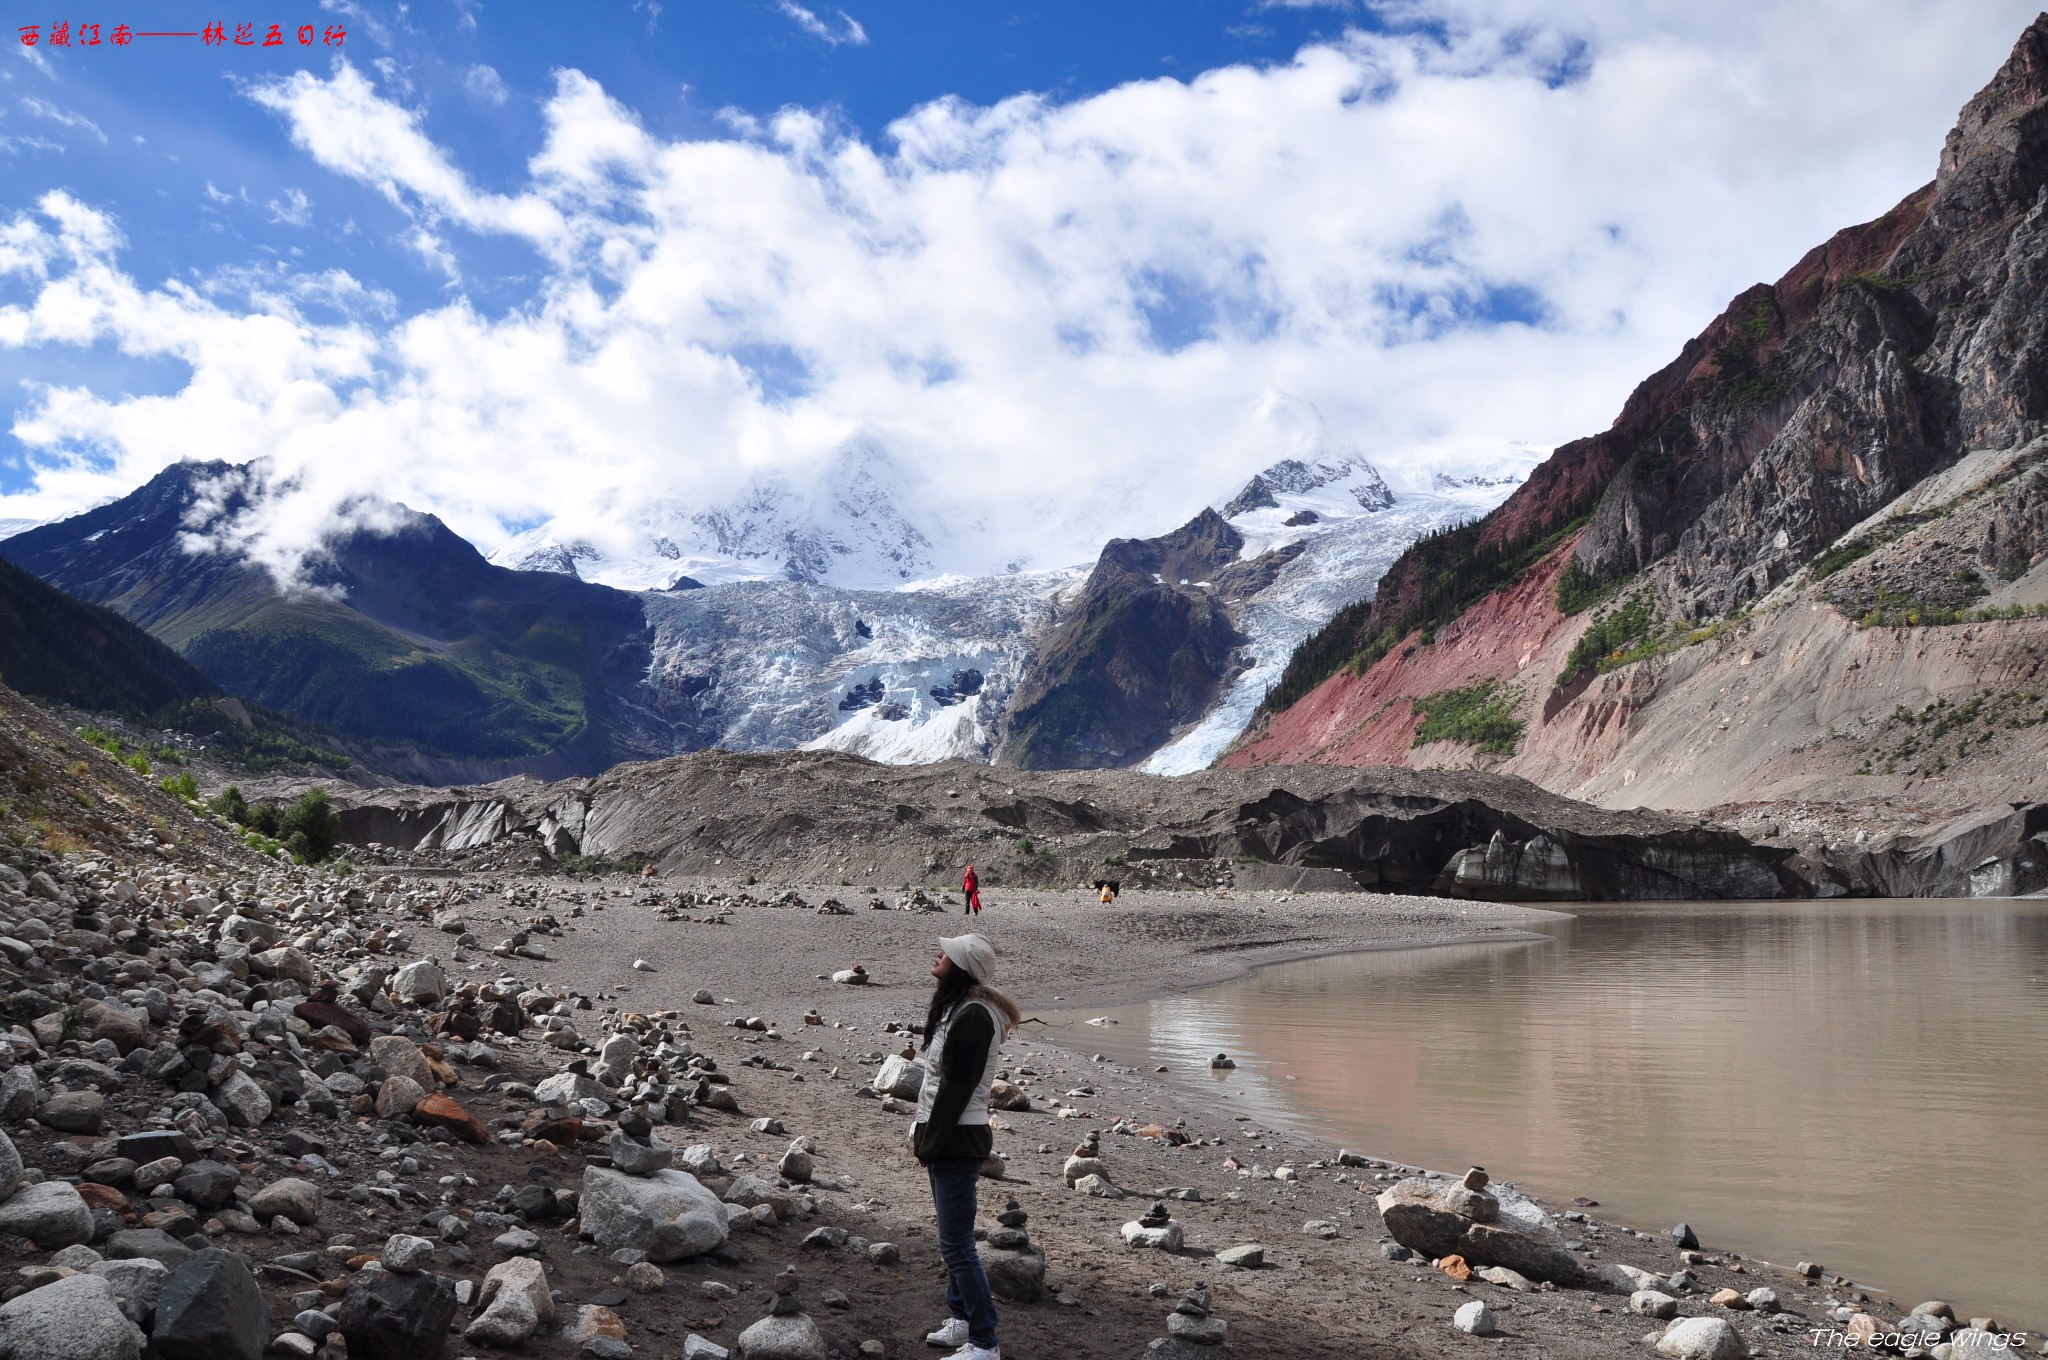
pixel 972 953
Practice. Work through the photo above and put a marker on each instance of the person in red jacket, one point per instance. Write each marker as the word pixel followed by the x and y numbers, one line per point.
pixel 970 888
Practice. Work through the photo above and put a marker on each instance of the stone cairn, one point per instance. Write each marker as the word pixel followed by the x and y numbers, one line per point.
pixel 1156 1228
pixel 1015 1267
pixel 1191 1332
pixel 787 1333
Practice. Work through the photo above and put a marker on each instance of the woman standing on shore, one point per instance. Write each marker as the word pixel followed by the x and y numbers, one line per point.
pixel 963 1030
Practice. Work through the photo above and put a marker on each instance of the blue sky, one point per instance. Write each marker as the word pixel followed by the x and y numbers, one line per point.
pixel 205 180
pixel 601 264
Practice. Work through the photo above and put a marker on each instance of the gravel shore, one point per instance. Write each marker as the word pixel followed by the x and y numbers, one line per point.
pixel 1315 1296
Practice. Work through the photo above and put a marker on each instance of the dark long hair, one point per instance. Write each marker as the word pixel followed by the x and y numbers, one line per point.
pixel 946 994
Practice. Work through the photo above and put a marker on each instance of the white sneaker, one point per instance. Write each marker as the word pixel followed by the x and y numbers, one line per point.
pixel 970 1351
pixel 952 1332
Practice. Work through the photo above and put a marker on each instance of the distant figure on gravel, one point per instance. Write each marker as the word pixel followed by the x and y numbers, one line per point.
pixel 963 1031
pixel 970 888
pixel 1105 891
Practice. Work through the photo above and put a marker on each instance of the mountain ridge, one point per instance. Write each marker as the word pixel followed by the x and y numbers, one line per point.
pixel 1749 529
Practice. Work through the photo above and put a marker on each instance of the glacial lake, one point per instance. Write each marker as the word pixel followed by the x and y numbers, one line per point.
pixel 1859 1083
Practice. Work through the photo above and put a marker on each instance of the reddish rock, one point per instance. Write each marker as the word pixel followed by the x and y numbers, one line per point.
pixel 97 1196
pixel 447 1113
pixel 322 1013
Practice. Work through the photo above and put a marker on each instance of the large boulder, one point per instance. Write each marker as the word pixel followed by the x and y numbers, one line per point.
pixel 401 1057
pixel 138 1284
pixel 50 1214
pixel 1419 1214
pixel 291 1197
pixel 76 1318
pixel 900 1077
pixel 386 1316
pixel 1014 1273
pixel 515 1302
pixel 13 1175
pixel 211 1309
pixel 1702 1338
pixel 792 1337
pixel 669 1215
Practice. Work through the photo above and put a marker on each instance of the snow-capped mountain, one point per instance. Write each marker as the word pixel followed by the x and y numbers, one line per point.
pixel 848 528
pixel 1351 528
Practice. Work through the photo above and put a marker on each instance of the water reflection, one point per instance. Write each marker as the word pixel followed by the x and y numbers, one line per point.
pixel 1855 1083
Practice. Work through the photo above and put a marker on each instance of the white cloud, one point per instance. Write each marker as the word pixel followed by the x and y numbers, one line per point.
pixel 1057 317
pixel 293 210
pixel 849 30
pixel 62 117
pixel 485 85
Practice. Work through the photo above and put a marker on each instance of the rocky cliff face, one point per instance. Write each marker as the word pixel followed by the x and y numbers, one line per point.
pixel 1145 648
pixel 1829 503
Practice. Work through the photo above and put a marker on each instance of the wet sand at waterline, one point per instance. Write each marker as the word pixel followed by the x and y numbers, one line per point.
pixel 1856 1083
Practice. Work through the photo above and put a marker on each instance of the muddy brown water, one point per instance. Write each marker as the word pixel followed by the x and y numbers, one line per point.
pixel 1863 1083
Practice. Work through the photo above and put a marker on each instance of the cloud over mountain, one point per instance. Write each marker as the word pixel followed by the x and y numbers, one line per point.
pixel 1456 237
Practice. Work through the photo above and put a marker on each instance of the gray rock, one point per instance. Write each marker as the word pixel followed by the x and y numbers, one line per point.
pixel 636 1159
pixel 316 1322
pixel 566 1088
pixel 900 1077
pixel 1473 1319
pixel 1506 1279
pixel 147 1244
pixel 1417 1216
pixel 1247 1257
pixel 17 1094
pixel 12 1173
pixel 420 982
pixel 138 1283
pixel 77 1318
pixel 1702 1338
pixel 207 1184
pixel 1201 1331
pixel 696 1347
pixel 210 1308
pixel 1078 1168
pixel 793 1337
pixel 516 1302
pixel 397 1096
pixel 668 1215
pixel 404 1253
pixel 1763 1300
pixel 75 1112
pixel 162 1171
pixel 49 1214
pixel 1014 1273
pixel 401 1057
pixel 397 1317
pixel 1178 1348
pixel 795 1165
pixel 615 1059
pixel 242 1100
pixel 292 1198
pixel 699 1160
pixel 1626 1279
pixel 1652 1303
pixel 1166 1237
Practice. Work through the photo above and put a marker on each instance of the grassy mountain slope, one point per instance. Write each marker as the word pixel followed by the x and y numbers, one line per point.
pixel 63 650
pixel 406 640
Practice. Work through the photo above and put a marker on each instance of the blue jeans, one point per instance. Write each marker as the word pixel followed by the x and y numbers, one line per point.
pixel 954 1181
